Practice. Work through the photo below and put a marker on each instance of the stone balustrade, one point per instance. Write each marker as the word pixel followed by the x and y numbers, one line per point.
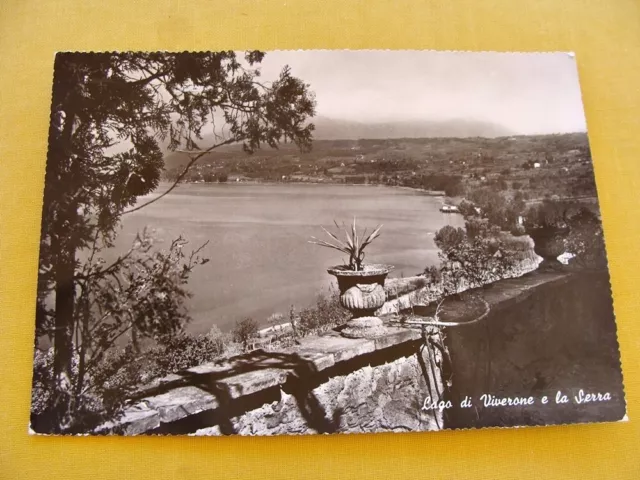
pixel 323 384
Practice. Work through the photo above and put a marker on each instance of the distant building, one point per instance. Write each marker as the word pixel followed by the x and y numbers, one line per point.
pixel 449 209
pixel 536 165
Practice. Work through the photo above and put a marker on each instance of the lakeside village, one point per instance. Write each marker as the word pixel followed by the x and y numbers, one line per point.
pixel 531 168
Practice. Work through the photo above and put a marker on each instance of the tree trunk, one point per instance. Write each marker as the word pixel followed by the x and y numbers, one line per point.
pixel 64 263
pixel 65 304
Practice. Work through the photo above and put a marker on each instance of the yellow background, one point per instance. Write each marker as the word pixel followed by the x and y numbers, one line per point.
pixel 605 34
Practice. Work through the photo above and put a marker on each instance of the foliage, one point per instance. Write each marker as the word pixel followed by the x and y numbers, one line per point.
pixel 245 330
pixel 324 315
pixel 468 209
pixel 451 185
pixel 110 114
pixel 471 258
pixel 355 179
pixel 449 237
pixel 427 163
pixel 223 177
pixel 184 351
pixel 548 214
pixel 119 374
pixel 88 410
pixel 586 240
pixel 353 245
pixel 140 296
pixel 494 206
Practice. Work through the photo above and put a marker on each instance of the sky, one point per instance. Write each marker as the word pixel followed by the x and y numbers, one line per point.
pixel 524 93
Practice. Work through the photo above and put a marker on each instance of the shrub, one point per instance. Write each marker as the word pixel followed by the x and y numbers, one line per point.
pixel 218 340
pixel 478 257
pixel 63 410
pixel 496 207
pixel 548 214
pixel 324 315
pixel 432 275
pixel 479 227
pixel 184 351
pixel 42 381
pixel 586 240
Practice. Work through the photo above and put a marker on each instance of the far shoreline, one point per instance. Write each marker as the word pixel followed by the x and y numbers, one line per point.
pixel 429 193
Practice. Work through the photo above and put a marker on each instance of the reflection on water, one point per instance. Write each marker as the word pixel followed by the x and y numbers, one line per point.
pixel 261 262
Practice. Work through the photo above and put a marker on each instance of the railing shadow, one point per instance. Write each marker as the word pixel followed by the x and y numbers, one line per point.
pixel 232 402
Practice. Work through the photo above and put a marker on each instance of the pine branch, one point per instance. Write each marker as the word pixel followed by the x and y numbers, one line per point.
pixel 182 174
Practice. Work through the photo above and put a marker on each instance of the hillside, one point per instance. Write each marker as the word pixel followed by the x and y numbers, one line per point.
pixel 538 165
pixel 328 129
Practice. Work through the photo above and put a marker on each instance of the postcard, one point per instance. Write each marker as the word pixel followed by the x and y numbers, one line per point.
pixel 312 242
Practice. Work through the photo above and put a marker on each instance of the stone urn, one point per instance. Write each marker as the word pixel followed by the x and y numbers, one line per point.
pixel 362 293
pixel 549 243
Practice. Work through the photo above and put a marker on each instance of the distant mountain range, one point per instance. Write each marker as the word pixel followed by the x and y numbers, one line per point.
pixel 333 129
pixel 329 129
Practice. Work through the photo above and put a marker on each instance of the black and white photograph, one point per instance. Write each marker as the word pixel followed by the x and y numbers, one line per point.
pixel 320 241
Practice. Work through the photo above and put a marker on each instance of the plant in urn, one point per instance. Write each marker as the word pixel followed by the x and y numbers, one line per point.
pixel 548 226
pixel 361 286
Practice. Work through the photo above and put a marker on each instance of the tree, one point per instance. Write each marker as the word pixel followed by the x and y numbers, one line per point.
pixel 110 113
pixel 471 259
pixel 223 177
pixel 495 207
pixel 245 330
pixel 449 237
pixel 467 209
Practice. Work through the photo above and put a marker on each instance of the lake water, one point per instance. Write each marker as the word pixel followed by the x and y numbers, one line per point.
pixel 260 258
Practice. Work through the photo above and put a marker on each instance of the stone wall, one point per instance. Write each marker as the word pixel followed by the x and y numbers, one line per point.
pixel 562 337
pixel 324 384
pixel 404 293
pixel 538 325
pixel 380 398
